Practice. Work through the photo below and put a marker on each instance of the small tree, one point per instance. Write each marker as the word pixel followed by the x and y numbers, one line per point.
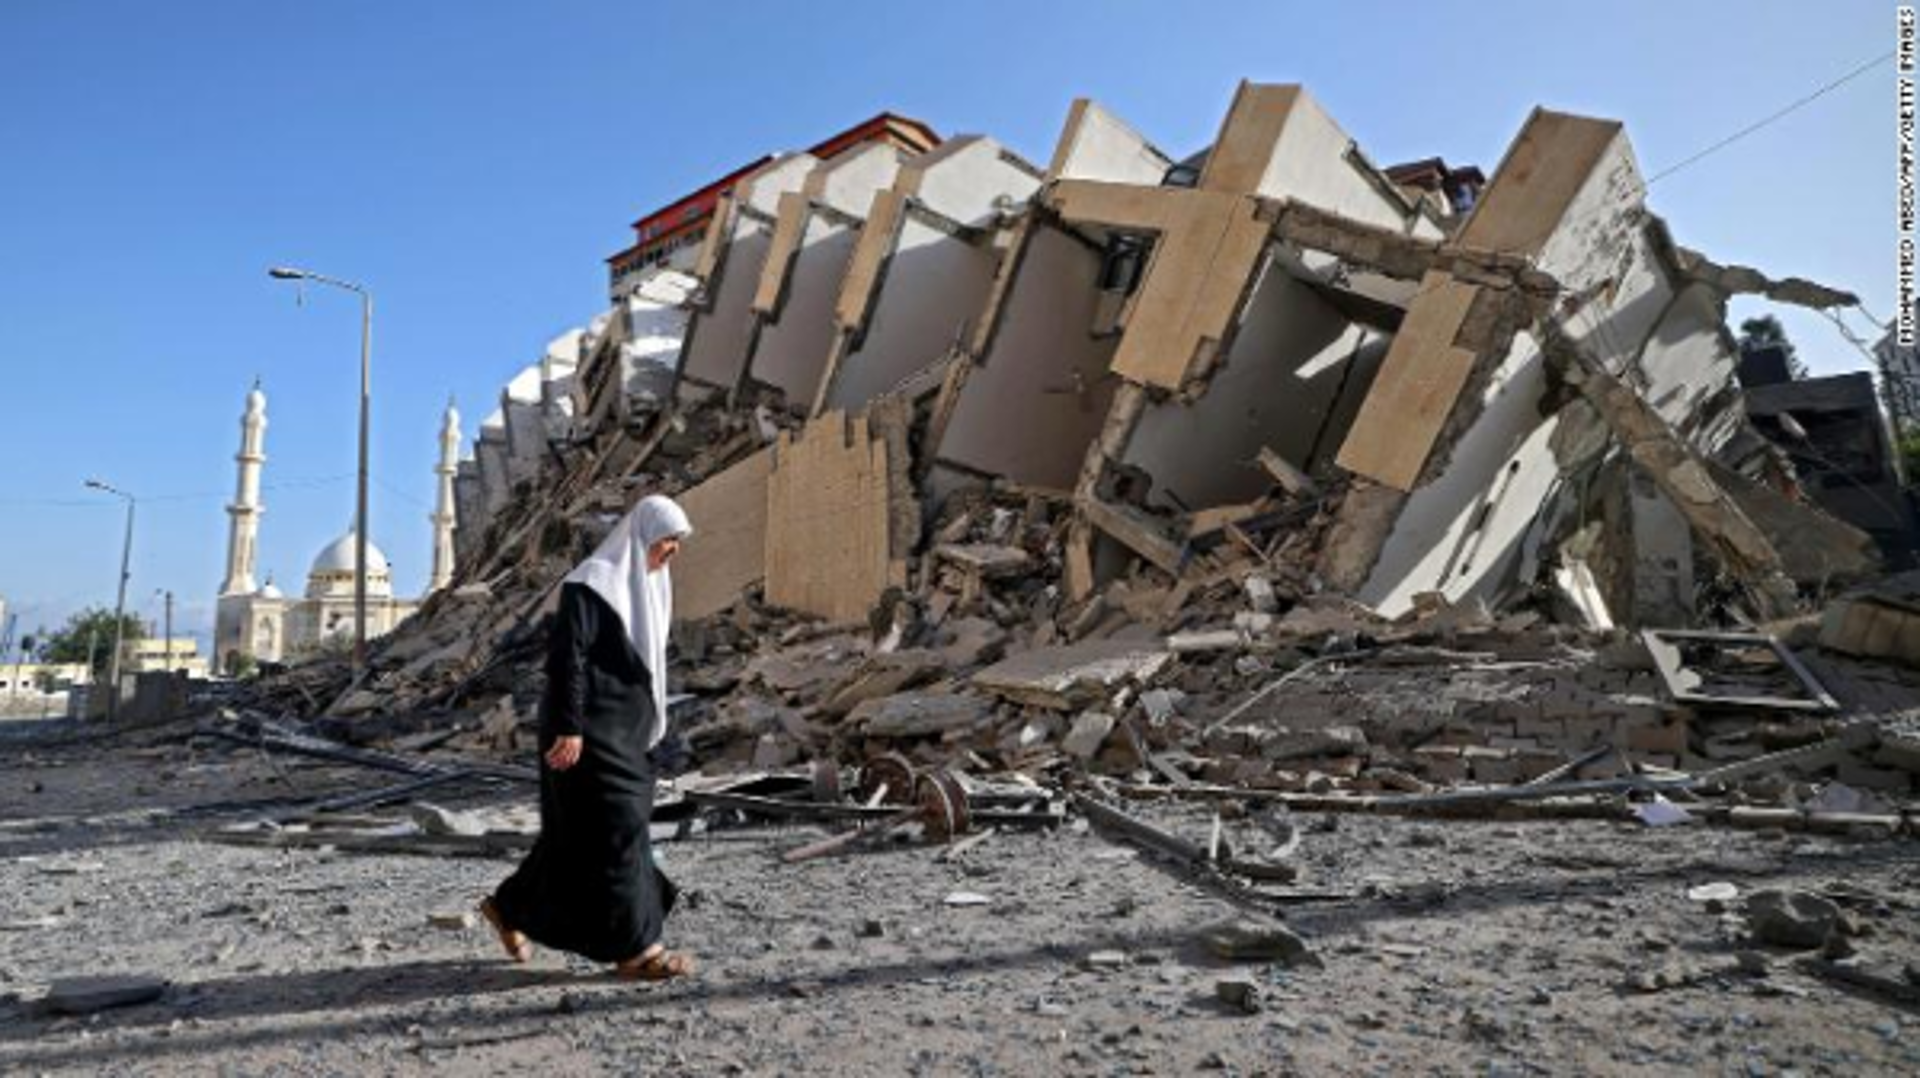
pixel 1766 332
pixel 91 628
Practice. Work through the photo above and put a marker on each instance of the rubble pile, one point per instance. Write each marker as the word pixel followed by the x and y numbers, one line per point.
pixel 1259 473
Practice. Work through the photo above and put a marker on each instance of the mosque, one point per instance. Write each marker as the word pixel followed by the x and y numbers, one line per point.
pixel 261 623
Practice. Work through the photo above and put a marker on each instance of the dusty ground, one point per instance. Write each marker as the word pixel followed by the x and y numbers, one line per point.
pixel 1468 947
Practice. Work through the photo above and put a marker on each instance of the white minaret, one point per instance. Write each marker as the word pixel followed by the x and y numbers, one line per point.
pixel 244 533
pixel 443 515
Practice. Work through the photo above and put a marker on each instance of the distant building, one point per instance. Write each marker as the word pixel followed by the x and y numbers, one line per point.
pixel 1840 444
pixel 157 654
pixel 35 689
pixel 1459 187
pixel 262 623
pixel 678 228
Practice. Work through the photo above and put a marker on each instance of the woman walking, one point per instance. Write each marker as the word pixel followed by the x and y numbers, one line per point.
pixel 590 885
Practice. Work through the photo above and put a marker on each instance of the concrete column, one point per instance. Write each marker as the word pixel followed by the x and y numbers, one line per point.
pixel 444 516
pixel 243 529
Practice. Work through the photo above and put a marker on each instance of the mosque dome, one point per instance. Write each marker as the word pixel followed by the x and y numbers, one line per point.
pixel 270 591
pixel 333 571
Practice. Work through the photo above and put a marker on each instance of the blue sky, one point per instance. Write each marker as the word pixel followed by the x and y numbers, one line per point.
pixel 473 162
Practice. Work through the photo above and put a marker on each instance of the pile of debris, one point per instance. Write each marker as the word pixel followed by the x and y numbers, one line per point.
pixel 1257 474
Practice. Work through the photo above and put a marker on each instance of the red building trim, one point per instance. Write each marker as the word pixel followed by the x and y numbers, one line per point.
pixel 662 227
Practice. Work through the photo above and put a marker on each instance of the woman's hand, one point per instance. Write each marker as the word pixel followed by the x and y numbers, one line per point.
pixel 565 752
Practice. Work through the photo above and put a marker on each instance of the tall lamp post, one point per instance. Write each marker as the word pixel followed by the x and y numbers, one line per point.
pixel 119 603
pixel 167 598
pixel 285 273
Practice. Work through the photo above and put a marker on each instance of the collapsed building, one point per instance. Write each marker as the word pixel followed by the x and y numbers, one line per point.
pixel 982 455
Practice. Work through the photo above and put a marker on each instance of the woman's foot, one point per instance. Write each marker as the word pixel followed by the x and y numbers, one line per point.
pixel 513 942
pixel 656 963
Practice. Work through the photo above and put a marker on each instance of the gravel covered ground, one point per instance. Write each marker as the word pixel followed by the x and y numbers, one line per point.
pixel 1495 948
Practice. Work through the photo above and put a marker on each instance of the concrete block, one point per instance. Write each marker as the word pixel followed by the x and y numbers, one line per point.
pixel 1589 730
pixel 1441 763
pixel 1327 741
pixel 1669 739
pixel 1532 763
pixel 1090 730
pixel 1520 712
pixel 1495 769
pixel 1542 729
pixel 1566 702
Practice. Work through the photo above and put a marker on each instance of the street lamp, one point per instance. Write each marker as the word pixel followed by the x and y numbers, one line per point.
pixel 120 603
pixel 167 640
pixel 286 273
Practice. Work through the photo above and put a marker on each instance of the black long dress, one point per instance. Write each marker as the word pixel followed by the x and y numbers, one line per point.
pixel 590 885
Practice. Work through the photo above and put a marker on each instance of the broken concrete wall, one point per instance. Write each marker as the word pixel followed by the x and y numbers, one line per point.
pixel 1038 390
pixel 657 312
pixel 491 461
pixel 720 329
pixel 730 513
pixel 558 370
pixel 834 501
pixel 1663 579
pixel 1219 330
pixel 925 261
pixel 468 509
pixel 1293 356
pixel 1095 144
pixel 526 424
pixel 1478 449
pixel 813 241
pixel 1034 387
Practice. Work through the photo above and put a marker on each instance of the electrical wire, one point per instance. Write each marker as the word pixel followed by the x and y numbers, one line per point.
pixel 308 483
pixel 1774 118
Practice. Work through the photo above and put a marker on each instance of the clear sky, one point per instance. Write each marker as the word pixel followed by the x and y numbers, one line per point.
pixel 474 162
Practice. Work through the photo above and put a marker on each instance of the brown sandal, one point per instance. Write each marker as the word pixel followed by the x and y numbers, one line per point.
pixel 662 965
pixel 513 942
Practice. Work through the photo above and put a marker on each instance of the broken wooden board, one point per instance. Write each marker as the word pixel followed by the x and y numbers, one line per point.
pixel 727 552
pixel 831 520
pixel 1137 531
pixel 1295 481
pixel 1075 675
pixel 989 561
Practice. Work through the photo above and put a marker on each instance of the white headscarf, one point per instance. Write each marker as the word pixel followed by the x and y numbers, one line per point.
pixel 617 572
